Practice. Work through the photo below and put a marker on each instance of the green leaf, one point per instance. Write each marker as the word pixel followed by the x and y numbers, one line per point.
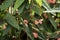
pixel 52 21
pixel 36 9
pixel 47 7
pixel 29 1
pixel 20 10
pixel 32 12
pixel 29 32
pixel 39 2
pixel 12 21
pixel 57 20
pixel 6 30
pixel 6 4
pixel 46 27
pixel 25 15
pixel 58 15
pixel 40 33
pixel 53 35
pixel 18 4
pixel 41 36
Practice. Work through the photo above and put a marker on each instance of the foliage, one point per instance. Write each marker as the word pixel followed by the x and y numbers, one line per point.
pixel 12 24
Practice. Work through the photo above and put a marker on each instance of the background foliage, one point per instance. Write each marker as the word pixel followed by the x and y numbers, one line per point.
pixel 14 12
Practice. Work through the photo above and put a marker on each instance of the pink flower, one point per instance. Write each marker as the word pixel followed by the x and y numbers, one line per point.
pixel 35 35
pixel 25 22
pixel 58 39
pixel 51 1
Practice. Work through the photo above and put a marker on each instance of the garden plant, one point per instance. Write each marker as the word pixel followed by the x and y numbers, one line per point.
pixel 29 19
